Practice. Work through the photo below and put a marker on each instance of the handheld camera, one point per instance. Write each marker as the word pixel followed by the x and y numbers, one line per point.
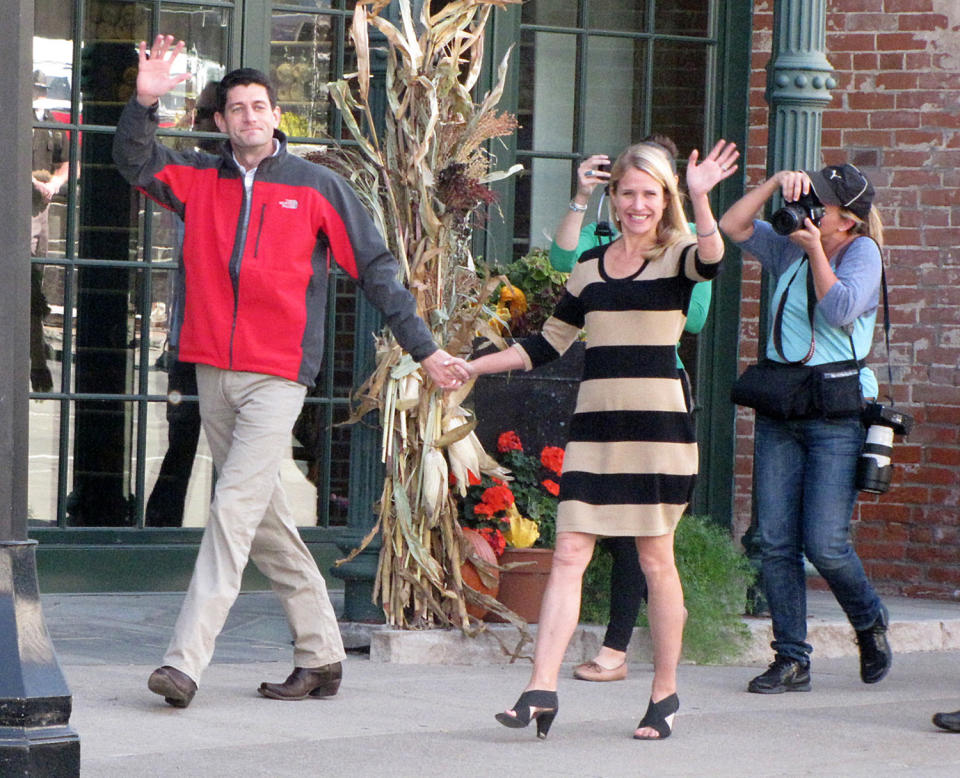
pixel 790 218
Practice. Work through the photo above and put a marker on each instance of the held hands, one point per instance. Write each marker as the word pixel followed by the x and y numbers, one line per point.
pixel 47 189
pixel 446 371
pixel 153 75
pixel 719 164
pixel 589 174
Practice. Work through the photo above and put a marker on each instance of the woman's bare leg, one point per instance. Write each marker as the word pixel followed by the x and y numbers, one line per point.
pixel 665 612
pixel 560 610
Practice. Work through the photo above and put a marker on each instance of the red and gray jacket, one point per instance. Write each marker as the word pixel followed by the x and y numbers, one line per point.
pixel 256 287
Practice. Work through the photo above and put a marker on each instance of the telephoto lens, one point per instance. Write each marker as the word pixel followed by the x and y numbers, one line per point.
pixel 874 467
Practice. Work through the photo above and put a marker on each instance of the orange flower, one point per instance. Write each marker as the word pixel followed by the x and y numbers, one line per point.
pixel 552 458
pixel 509 441
pixel 551 486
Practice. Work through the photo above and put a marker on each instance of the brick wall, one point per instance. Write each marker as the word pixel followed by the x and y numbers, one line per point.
pixel 896 114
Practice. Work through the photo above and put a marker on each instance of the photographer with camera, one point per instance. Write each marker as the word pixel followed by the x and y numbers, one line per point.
pixel 823 248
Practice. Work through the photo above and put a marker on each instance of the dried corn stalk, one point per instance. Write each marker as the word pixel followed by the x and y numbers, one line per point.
pixel 426 180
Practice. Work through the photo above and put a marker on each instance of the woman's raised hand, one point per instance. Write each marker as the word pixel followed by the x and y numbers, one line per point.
pixel 720 163
pixel 589 174
pixel 153 71
pixel 793 184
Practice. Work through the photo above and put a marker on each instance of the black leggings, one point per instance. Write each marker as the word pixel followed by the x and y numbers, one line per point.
pixel 628 588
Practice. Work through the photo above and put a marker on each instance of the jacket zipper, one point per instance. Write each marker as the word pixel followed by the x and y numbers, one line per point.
pixel 256 246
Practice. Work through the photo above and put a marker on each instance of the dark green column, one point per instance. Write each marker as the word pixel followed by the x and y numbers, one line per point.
pixel 366 470
pixel 35 702
pixel 798 83
pixel 366 480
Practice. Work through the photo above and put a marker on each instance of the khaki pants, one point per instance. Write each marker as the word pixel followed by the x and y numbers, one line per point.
pixel 248 418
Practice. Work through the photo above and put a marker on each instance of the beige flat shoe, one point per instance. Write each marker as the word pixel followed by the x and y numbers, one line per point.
pixel 591 671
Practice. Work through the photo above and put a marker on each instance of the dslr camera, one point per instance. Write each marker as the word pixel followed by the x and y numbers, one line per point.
pixel 790 218
pixel 874 467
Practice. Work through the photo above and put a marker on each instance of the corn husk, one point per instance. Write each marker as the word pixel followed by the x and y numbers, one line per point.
pixel 433 126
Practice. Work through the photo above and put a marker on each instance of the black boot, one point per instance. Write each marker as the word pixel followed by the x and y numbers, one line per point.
pixel 875 654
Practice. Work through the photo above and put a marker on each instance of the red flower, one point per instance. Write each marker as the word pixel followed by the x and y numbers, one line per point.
pixel 472 480
pixel 498 498
pixel 498 481
pixel 552 458
pixel 509 441
pixel 551 486
pixel 482 509
pixel 495 538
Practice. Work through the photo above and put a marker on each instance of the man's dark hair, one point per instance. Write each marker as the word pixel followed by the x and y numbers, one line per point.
pixel 244 77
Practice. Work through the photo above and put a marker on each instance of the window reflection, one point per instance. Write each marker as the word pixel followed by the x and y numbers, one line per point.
pixel 301 64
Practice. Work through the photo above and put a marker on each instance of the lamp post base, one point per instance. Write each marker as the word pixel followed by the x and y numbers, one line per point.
pixel 35 703
pixel 358 576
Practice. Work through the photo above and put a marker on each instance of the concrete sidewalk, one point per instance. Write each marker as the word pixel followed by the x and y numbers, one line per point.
pixel 433 719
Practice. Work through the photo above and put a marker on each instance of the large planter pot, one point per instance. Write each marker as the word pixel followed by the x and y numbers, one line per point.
pixel 469 574
pixel 537 405
pixel 522 588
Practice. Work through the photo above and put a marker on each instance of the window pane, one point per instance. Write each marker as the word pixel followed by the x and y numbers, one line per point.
pixel 46 327
pixel 682 17
pixel 52 79
pixel 205 31
pixel 678 102
pixel 548 74
pixel 179 469
pixel 44 458
pixel 625 15
pixel 615 97
pixel 108 69
pixel 301 64
pixel 559 13
pixel 103 448
pixel 550 193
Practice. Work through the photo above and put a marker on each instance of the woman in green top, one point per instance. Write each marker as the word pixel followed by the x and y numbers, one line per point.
pixel 627 585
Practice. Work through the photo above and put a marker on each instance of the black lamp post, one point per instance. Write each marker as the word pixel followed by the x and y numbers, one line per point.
pixel 35 702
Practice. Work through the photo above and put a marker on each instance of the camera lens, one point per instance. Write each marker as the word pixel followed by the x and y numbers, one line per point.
pixel 788 219
pixel 874 468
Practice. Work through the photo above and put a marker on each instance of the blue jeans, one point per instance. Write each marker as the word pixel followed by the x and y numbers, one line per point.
pixel 805 494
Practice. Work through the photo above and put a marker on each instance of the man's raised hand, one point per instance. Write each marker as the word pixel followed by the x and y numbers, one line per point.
pixel 153 74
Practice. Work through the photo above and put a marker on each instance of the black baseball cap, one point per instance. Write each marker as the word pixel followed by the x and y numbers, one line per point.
pixel 845 186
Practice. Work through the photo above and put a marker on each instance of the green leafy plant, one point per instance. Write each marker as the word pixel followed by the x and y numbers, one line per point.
pixel 540 287
pixel 715 577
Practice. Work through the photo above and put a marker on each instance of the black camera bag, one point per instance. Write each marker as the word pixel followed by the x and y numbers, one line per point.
pixel 794 390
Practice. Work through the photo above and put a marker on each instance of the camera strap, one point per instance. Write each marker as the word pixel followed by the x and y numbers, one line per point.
pixel 811 310
pixel 886 329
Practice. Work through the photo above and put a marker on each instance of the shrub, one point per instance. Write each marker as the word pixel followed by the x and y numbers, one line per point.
pixel 715 577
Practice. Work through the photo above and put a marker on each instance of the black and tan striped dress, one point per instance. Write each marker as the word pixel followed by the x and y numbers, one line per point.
pixel 631 458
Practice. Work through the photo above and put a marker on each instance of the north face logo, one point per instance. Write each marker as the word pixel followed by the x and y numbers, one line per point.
pixel 291 204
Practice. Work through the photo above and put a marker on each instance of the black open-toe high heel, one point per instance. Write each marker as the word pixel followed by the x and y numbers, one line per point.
pixel 659 716
pixel 534 704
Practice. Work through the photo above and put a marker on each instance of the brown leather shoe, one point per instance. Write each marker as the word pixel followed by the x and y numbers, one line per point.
pixel 591 671
pixel 305 682
pixel 176 687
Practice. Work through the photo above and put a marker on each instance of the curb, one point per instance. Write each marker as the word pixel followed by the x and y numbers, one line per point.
pixel 831 639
